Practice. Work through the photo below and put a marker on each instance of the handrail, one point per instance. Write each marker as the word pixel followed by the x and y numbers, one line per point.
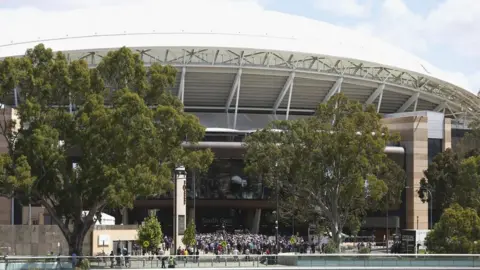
pixel 343 255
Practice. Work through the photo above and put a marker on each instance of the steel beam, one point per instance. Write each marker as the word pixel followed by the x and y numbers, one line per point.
pixel 241 145
pixel 409 102
pixel 282 93
pixel 379 104
pixel 375 94
pixel 181 88
pixel 234 89
pixel 289 101
pixel 236 104
pixel 335 89
pixel 440 107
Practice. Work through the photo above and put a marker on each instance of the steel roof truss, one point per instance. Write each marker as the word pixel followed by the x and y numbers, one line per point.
pixel 289 100
pixel 455 97
pixel 379 104
pixel 235 87
pixel 335 89
pixel 375 94
pixel 409 102
pixel 266 59
pixel 236 102
pixel 215 57
pixel 282 93
pixel 181 88
pixel 440 107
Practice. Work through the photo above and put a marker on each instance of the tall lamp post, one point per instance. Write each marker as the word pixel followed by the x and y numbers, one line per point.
pixel 194 218
pixel 430 198
pixel 277 212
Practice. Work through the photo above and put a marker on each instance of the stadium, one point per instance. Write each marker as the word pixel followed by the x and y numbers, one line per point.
pixel 238 73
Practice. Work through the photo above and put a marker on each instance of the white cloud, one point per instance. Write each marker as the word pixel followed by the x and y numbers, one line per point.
pixel 348 8
pixel 456 23
pixel 452 25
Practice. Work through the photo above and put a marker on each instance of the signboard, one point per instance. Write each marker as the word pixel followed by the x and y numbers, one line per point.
pixel 184 192
pixel 217 221
pixel 181 224
pixel 409 241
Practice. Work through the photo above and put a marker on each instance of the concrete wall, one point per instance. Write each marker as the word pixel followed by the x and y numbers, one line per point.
pixel 35 240
pixel 413 131
pixel 40 240
pixel 104 235
pixel 37 215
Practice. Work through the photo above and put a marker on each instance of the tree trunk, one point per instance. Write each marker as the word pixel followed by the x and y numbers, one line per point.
pixel 336 235
pixel 75 241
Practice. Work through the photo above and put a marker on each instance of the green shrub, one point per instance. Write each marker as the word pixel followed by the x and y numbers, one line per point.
pixel 364 250
pixel 84 264
pixel 330 248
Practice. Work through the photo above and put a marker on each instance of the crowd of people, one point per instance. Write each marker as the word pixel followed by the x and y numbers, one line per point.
pixel 246 243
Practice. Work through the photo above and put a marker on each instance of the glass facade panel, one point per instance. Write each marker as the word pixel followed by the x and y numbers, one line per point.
pixel 225 179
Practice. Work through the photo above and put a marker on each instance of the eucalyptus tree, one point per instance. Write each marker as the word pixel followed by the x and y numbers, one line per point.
pixel 331 165
pixel 90 137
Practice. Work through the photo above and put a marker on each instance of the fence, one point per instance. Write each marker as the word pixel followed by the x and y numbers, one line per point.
pixel 291 261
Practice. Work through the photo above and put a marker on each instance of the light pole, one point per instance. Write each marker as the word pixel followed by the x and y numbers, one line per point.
pixel 194 177
pixel 175 217
pixel 278 208
pixel 387 231
pixel 430 198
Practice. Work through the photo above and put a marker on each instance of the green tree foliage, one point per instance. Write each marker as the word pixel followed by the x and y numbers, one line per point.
pixel 452 179
pixel 322 163
pixel 441 178
pixel 150 234
pixel 458 231
pixel 116 122
pixel 189 236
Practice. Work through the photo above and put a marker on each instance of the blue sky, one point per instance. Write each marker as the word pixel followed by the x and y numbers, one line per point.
pixel 444 32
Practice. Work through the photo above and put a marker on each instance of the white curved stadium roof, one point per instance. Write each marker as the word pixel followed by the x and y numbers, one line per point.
pixel 217 24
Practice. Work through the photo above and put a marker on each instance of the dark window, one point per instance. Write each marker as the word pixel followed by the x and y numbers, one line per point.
pixel 457 135
pixel 225 179
pixel 434 148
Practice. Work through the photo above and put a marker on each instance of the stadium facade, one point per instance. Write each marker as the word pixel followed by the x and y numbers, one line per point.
pixel 237 78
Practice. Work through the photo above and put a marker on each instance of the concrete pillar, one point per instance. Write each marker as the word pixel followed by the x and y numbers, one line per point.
pixel 256 221
pixel 179 207
pixel 191 214
pixel 447 135
pixel 124 216
pixel 413 131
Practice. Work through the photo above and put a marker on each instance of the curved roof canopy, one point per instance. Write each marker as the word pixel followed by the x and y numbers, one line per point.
pixel 214 25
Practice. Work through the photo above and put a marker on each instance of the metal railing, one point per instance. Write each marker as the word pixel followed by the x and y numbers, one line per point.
pixel 287 260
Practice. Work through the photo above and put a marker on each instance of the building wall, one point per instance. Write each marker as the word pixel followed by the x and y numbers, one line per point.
pixel 36 240
pixel 37 213
pixel 103 237
pixel 413 131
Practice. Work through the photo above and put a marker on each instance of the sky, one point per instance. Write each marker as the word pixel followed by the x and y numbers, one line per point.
pixel 446 33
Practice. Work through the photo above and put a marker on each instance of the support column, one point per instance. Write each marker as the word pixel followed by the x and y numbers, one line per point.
pixel 447 135
pixel 179 207
pixel 413 131
pixel 124 216
pixel 191 214
pixel 256 221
